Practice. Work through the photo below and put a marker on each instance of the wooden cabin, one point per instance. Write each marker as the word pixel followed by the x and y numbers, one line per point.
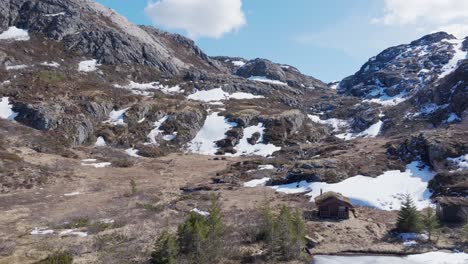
pixel 452 209
pixel 333 205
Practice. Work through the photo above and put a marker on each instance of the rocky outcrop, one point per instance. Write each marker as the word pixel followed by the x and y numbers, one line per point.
pixel 279 72
pixel 433 148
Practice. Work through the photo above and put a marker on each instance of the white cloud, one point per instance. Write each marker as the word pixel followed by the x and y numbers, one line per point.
pixel 199 18
pixel 432 15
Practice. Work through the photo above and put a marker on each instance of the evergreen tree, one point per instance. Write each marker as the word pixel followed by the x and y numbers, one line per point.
pixel 409 219
pixel 284 234
pixel 214 245
pixel 166 249
pixel 192 233
pixel 430 222
pixel 299 232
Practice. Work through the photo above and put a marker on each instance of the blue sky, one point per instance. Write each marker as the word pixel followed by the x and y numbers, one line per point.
pixel 327 39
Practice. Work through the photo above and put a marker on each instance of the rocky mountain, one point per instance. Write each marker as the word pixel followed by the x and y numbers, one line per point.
pixel 399 72
pixel 90 103
pixel 94 30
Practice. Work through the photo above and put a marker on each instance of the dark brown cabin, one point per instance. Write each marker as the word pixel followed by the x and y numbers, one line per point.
pixel 452 209
pixel 333 205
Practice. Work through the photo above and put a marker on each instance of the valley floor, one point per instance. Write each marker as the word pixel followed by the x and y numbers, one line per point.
pixel 101 218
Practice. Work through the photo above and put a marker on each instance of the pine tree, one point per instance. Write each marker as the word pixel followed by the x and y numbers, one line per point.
pixel 409 219
pixel 192 233
pixel 284 233
pixel 430 222
pixel 214 245
pixel 266 231
pixel 166 249
pixel 299 231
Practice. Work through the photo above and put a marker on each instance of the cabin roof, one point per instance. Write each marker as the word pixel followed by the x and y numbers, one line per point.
pixel 452 201
pixel 329 195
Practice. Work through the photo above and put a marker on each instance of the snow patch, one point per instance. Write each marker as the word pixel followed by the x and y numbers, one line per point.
pixel 452 118
pixel 42 231
pixel 100 142
pixel 238 63
pixel 266 80
pixel 266 167
pixel 385 192
pixel 213 130
pixel 6 109
pixel 50 64
pixel 260 149
pixel 94 163
pixel 459 55
pixel 372 131
pixel 132 152
pixel 200 212
pixel 55 15
pixel 116 117
pixel 16 67
pixel 218 95
pixel 155 132
pixel 72 194
pixel 14 33
pixel 426 258
pixel 142 88
pixel 257 182
pixel 73 232
pixel 88 66
pixel 460 162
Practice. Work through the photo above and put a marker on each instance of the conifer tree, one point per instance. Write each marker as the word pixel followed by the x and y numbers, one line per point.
pixel 430 222
pixel 166 249
pixel 409 219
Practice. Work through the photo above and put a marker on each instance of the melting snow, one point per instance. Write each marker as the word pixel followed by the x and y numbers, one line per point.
pixel 431 257
pixel 116 117
pixel 266 80
pixel 452 118
pixel 372 131
pixel 72 194
pixel 93 163
pixel 55 15
pixel 154 133
pixel 73 232
pixel 238 63
pixel 200 212
pixel 88 66
pixel 266 167
pixel 42 231
pixel 261 149
pixel 14 33
pixel 213 130
pixel 255 183
pixel 50 64
pixel 6 111
pixel 100 142
pixel 132 152
pixel 460 162
pixel 218 94
pixel 141 88
pixel 16 67
pixel 459 55
pixel 337 124
pixel 385 192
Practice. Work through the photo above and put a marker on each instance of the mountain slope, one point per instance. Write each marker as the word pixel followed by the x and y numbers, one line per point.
pixel 94 30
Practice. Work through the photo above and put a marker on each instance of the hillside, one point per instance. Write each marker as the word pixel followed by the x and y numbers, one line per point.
pixel 112 132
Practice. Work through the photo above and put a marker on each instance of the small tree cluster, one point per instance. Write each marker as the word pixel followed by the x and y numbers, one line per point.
pixel 200 239
pixel 410 220
pixel 283 234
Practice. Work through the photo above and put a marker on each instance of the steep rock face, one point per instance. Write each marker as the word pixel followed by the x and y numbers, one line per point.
pixel 91 29
pixel 400 71
pixel 445 102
